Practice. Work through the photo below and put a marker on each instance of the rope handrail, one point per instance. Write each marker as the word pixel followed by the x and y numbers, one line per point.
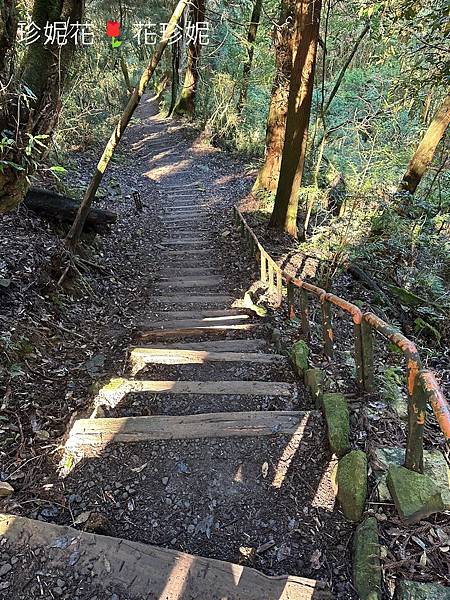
pixel 422 386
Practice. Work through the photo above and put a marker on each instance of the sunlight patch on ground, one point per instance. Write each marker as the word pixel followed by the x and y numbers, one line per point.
pixel 177 580
pixel 322 496
pixel 288 455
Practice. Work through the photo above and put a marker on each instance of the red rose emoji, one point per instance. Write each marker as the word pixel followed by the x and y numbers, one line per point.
pixel 113 29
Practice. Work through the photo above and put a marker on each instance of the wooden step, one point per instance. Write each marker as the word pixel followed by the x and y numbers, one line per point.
pixel 186 242
pixel 206 322
pixel 189 282
pixel 164 356
pixel 116 389
pixel 184 299
pixel 145 571
pixel 204 314
pixel 95 432
pixel 188 253
pixel 188 272
pixel 216 345
pixel 197 331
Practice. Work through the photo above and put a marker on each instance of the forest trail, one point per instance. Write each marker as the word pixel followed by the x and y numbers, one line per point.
pixel 202 472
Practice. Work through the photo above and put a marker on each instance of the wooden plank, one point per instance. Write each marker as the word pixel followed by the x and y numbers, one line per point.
pixel 188 253
pixel 209 330
pixel 176 299
pixel 217 345
pixel 165 356
pixel 185 242
pixel 187 283
pixel 181 271
pixel 147 571
pixel 206 322
pixel 91 432
pixel 118 388
pixel 203 314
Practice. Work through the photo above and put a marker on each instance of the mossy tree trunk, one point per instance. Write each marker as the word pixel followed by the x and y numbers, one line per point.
pixel 77 226
pixel 306 34
pixel 425 150
pixel 267 179
pixel 251 38
pixel 186 103
pixel 44 72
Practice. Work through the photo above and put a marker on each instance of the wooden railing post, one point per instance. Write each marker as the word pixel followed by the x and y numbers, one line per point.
pixel 270 268
pixel 263 260
pixel 291 300
pixel 359 357
pixel 367 356
pixel 304 317
pixel 328 338
pixel 279 287
pixel 417 407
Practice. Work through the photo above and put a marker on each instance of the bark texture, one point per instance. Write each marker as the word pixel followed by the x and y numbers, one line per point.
pixel 44 72
pixel 186 102
pixel 251 38
pixel 267 179
pixel 425 150
pixel 306 34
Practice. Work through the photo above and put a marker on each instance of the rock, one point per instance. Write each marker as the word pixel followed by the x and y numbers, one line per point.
pixel 366 560
pixel 300 356
pixel 336 413
pixel 415 496
pixel 412 590
pixel 4 569
pixel 434 463
pixel 165 480
pixel 5 489
pixel 315 381
pixel 391 391
pixel 351 481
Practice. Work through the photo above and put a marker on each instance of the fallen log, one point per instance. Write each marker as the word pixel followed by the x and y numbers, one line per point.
pixel 63 209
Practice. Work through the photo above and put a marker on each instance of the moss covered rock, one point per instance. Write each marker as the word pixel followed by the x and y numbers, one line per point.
pixel 412 590
pixel 366 560
pixel 415 496
pixel 351 483
pixel 337 417
pixel 435 467
pixel 300 356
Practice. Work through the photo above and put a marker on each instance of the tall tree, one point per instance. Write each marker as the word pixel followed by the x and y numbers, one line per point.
pixel 33 113
pixel 251 38
pixel 77 226
pixel 423 156
pixel 186 102
pixel 305 39
pixel 267 179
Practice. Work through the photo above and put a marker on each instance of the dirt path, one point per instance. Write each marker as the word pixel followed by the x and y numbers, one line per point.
pixel 204 445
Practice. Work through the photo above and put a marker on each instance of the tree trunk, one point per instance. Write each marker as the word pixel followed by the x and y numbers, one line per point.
pixel 251 38
pixel 44 71
pixel 306 34
pixel 175 77
pixel 126 74
pixel 427 147
pixel 267 179
pixel 186 102
pixel 64 209
pixel 77 226
pixel 8 29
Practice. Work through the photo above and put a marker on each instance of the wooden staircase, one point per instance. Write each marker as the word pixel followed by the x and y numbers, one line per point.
pixel 196 328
